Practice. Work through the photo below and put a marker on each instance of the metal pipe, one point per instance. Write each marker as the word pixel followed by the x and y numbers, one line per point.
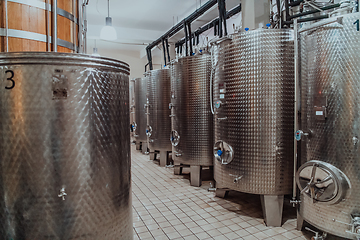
pixel 148 53
pixel 287 12
pixel 85 28
pixel 54 26
pixel 315 11
pixel 308 19
pixel 80 22
pixel 167 49
pixel 208 26
pixel 295 3
pixel 7 26
pixel 197 13
pixel 164 51
pixel 74 25
pixel 47 3
pixel 296 99
pixel 186 39
pixel 278 6
pixel 190 35
pixel 322 23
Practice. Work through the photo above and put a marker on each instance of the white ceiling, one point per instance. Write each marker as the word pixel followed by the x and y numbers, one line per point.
pixel 139 22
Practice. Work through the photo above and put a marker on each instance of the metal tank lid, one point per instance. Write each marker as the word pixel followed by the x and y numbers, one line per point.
pixel 56 58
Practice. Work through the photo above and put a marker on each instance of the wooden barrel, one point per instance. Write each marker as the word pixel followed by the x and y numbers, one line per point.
pixel 29 24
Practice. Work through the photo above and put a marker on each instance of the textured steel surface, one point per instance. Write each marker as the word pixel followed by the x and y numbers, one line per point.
pixel 65 124
pixel 330 71
pixel 158 93
pixel 190 84
pixel 140 108
pixel 255 74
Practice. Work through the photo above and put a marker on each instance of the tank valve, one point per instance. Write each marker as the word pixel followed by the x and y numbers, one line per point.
pixel 236 178
pixel 317 235
pixel 355 140
pixel 299 133
pixel 62 194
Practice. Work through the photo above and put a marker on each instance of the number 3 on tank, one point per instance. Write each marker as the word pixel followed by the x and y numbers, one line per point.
pixel 357 24
pixel 10 79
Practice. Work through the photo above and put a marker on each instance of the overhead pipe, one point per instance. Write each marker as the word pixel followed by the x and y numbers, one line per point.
pixel 182 24
pixel 212 24
pixel 314 11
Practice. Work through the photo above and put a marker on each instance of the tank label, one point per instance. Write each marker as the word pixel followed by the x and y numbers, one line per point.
pixel 222 96
pixel 319 113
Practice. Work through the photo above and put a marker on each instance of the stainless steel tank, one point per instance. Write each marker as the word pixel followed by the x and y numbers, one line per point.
pixel 329 178
pixel 64 147
pixel 253 104
pixel 140 113
pixel 192 121
pixel 158 120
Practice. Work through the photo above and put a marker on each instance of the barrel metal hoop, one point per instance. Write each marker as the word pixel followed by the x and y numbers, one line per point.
pixel 35 36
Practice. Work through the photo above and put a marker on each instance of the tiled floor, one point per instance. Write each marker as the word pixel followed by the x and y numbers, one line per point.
pixel 165 206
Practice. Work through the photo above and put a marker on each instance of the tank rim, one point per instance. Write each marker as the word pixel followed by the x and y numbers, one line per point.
pixel 59 58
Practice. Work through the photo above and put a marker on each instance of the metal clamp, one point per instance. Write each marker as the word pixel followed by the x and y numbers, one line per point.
pixel 62 194
pixel 178 154
pixel 172 115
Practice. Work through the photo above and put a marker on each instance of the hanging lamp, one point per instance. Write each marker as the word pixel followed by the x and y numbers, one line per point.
pixel 108 32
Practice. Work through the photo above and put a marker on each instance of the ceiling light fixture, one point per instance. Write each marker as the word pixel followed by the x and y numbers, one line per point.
pixel 108 32
pixel 95 51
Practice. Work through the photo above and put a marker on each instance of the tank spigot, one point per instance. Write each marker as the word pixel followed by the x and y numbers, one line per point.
pixel 317 235
pixel 62 194
pixel 236 178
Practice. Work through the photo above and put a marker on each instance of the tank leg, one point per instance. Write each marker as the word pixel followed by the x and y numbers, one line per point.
pixel 164 158
pixel 144 148
pixel 153 155
pixel 195 176
pixel 221 192
pixel 138 145
pixel 299 222
pixel 272 206
pixel 177 169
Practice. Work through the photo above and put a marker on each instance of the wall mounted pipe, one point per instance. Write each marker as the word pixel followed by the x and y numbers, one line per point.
pixel 54 26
